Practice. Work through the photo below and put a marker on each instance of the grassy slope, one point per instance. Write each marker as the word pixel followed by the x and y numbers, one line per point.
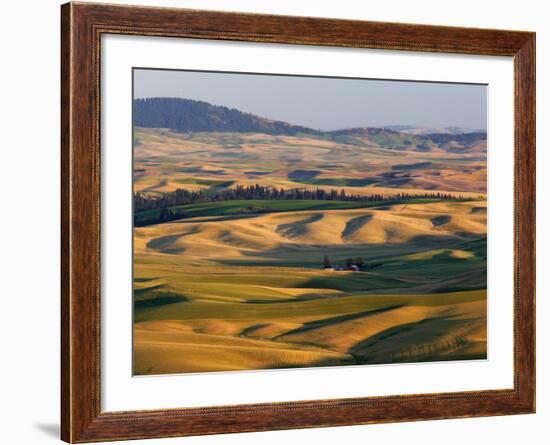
pixel 268 305
pixel 222 333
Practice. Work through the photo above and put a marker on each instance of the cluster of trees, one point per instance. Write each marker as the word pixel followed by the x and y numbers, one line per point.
pixel 144 202
pixel 165 215
pixel 359 262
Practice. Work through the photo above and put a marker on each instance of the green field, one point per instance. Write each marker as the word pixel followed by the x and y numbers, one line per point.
pixel 256 206
pixel 292 317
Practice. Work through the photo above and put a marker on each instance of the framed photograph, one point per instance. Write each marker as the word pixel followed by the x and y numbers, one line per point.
pixel 275 222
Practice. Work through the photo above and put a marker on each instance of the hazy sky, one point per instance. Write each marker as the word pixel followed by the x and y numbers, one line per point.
pixel 325 103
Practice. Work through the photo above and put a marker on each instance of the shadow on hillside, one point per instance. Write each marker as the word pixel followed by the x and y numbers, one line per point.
pixel 424 340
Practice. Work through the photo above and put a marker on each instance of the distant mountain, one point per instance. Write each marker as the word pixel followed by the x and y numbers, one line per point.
pixel 411 129
pixel 365 131
pixel 191 115
pixel 387 138
pixel 186 115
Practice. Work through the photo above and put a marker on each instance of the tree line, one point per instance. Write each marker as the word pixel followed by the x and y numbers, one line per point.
pixel 143 202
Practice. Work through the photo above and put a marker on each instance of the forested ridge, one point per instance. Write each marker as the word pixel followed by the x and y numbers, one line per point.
pixel 186 115
pixel 191 115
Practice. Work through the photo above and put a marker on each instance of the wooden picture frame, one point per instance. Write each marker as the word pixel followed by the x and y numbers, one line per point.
pixel 82 26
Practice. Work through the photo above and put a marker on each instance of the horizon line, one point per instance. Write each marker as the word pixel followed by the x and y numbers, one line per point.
pixel 384 126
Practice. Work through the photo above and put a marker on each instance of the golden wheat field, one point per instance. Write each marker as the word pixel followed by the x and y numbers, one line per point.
pixel 218 294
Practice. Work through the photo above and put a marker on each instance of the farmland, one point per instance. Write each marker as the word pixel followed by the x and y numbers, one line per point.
pixel 241 284
pixel 166 160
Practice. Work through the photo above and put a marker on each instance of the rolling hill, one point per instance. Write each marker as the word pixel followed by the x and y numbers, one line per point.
pixel 411 129
pixel 267 302
pixel 191 115
pixel 186 115
pixel 167 160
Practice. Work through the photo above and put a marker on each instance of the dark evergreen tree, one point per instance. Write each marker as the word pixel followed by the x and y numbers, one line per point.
pixel 359 262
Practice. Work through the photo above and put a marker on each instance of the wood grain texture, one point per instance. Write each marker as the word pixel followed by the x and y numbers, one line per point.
pixel 82 27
